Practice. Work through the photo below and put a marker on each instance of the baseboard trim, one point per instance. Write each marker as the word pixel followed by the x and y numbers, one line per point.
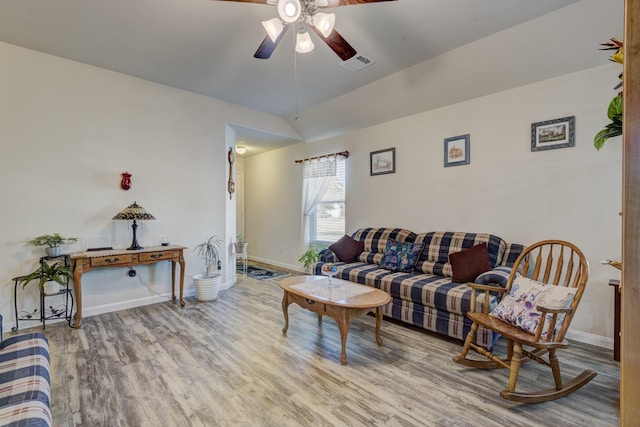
pixel 124 305
pixel 277 264
pixel 587 338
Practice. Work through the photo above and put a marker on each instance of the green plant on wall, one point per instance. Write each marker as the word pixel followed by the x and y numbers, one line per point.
pixel 614 112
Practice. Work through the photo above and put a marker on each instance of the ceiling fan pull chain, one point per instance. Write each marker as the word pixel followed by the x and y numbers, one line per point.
pixel 295 79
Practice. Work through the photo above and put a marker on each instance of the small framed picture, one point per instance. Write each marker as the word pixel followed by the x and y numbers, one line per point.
pixel 552 134
pixel 456 151
pixel 383 161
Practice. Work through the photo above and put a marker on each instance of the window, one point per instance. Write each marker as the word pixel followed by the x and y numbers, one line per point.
pixel 327 220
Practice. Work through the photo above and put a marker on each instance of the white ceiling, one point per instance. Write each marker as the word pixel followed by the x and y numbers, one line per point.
pixel 207 46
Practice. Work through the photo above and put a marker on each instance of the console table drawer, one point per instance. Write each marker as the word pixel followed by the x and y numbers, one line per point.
pixel 156 256
pixel 112 260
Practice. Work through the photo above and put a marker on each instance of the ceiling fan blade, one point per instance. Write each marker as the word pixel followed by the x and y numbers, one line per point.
pixel 337 43
pixel 266 48
pixel 251 1
pixel 337 3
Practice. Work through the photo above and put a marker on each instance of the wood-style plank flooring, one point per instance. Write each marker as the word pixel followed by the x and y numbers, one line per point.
pixel 226 363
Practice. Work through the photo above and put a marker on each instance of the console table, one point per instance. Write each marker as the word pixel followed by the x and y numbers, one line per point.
pixel 90 260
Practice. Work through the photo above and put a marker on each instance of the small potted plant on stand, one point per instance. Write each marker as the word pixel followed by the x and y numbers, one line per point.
pixel 50 277
pixel 240 244
pixel 208 284
pixel 52 243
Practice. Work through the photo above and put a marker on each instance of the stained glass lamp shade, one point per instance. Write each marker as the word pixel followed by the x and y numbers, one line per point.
pixel 134 212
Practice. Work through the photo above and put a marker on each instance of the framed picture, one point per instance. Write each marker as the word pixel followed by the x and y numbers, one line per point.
pixel 456 151
pixel 552 134
pixel 383 161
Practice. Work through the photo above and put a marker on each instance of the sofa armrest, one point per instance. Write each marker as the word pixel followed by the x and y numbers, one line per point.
pixel 327 255
pixel 497 276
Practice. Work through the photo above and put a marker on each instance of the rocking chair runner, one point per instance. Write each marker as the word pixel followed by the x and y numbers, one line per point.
pixel 553 262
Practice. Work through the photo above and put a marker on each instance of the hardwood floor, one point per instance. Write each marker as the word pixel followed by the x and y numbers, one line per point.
pixel 226 363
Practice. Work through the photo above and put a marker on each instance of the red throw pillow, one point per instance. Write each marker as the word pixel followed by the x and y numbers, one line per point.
pixel 347 249
pixel 470 263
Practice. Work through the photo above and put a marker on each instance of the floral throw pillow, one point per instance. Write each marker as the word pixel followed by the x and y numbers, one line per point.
pixel 518 306
pixel 400 256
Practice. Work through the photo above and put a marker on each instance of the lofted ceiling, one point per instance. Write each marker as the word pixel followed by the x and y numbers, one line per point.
pixel 207 46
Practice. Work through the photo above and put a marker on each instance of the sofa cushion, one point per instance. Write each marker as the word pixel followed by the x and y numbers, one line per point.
pixel 418 288
pixel 400 256
pixel 511 254
pixel 25 379
pixel 347 249
pixel 438 245
pixel 375 241
pixel 470 263
pixel 518 306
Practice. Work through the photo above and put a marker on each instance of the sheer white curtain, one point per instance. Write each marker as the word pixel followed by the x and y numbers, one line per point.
pixel 317 177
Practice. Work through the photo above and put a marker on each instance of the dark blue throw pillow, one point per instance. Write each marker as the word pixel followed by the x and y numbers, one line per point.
pixel 401 256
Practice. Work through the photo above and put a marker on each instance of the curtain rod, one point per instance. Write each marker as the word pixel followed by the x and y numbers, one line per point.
pixel 344 154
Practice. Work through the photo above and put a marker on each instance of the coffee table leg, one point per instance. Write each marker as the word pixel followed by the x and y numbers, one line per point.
pixel 285 311
pixel 378 324
pixel 343 325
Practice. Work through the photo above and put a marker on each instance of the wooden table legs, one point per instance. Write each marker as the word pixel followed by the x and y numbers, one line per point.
pixel 342 316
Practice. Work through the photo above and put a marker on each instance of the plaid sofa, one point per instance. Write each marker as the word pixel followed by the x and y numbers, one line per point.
pixel 426 297
pixel 25 387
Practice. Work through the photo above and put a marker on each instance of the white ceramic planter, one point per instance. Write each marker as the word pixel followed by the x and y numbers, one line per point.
pixel 53 251
pixel 207 288
pixel 51 287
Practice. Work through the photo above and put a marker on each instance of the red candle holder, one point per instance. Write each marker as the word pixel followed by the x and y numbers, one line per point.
pixel 125 184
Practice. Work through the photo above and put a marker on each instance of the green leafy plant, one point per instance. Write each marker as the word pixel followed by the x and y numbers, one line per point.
pixel 209 250
pixel 310 257
pixel 614 112
pixel 241 239
pixel 56 272
pixel 51 240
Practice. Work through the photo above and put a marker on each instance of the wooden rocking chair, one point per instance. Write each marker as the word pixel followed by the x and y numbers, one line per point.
pixel 552 262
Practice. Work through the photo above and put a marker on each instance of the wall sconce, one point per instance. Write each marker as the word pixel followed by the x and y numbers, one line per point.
pixel 125 184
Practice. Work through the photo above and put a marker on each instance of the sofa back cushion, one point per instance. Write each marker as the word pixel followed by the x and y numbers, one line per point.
pixel 375 241
pixel 438 245
pixel 511 253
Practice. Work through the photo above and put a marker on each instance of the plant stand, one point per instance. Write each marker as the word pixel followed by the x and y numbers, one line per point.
pixel 43 316
pixel 243 257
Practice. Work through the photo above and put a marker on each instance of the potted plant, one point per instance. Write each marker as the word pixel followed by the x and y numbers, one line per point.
pixel 52 242
pixel 240 244
pixel 208 284
pixel 309 258
pixel 50 277
pixel 614 111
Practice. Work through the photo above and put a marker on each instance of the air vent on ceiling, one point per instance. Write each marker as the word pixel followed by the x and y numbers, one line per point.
pixel 357 62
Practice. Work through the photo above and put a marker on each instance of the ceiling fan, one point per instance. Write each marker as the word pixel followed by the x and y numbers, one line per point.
pixel 306 14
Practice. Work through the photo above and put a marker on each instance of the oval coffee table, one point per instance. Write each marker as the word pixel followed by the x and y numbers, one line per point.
pixel 343 301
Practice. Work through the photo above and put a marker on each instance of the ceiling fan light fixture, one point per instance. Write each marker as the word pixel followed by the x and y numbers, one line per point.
pixel 324 22
pixel 289 10
pixel 273 27
pixel 303 42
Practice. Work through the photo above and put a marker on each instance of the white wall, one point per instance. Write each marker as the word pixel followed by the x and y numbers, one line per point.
pixel 67 132
pixel 522 196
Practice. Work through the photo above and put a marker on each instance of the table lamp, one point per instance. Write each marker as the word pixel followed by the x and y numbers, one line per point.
pixel 134 212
